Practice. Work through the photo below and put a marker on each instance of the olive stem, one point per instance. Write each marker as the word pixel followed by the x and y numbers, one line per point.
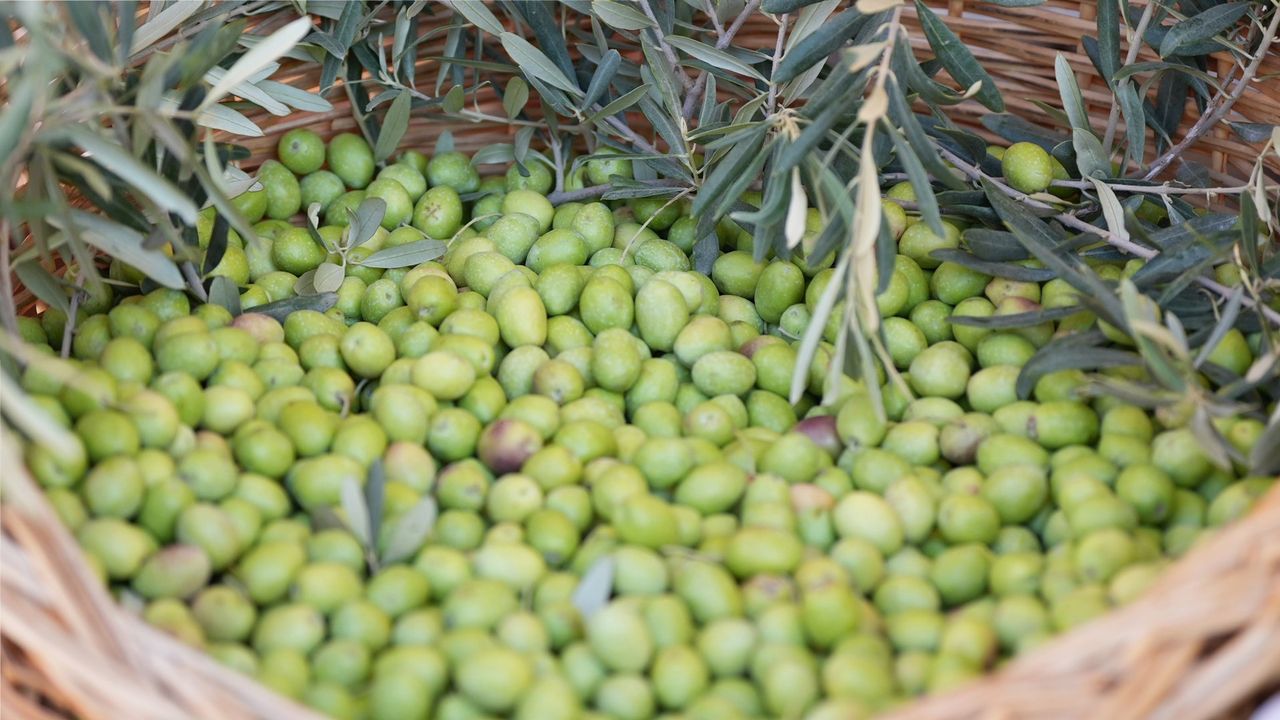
pixel 662 43
pixel 777 57
pixel 700 85
pixel 69 329
pixel 1224 104
pixel 595 191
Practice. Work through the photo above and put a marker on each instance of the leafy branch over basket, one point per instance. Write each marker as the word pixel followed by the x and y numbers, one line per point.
pixel 784 149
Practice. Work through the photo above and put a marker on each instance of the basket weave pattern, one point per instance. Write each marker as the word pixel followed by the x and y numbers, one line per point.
pixel 1201 644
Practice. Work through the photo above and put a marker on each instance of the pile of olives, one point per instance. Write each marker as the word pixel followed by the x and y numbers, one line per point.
pixel 560 396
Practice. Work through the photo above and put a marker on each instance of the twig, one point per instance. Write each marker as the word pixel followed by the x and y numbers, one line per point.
pixel 662 43
pixel 9 312
pixel 1160 189
pixel 69 329
pixel 1107 235
pixel 1223 106
pixel 700 85
pixel 777 56
pixel 596 191
pixel 1135 45
pixel 715 18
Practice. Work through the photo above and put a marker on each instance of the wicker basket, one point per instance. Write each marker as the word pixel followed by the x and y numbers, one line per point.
pixel 1204 643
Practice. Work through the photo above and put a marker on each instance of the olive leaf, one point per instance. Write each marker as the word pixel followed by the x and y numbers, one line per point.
pixel 535 65
pixel 281 309
pixel 394 125
pixel 223 292
pixel 327 278
pixel 1202 26
pixel 713 56
pixel 120 241
pixel 620 16
pixel 411 530
pixel 365 221
pixel 515 97
pixel 595 587
pixel 356 512
pixel 958 59
pixel 407 255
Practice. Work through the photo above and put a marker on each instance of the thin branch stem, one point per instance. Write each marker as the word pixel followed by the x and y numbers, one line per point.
pixel 1224 104
pixel 1160 189
pixel 715 19
pixel 777 57
pixel 1135 45
pixel 700 85
pixel 1107 235
pixel 595 191
pixel 664 45
pixel 74 309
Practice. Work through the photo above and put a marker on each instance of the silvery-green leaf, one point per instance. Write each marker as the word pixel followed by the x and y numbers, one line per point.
pixel 223 291
pixel 305 284
pixel 1202 26
pixel 1135 121
pixel 926 202
pixel 595 587
pixel 455 99
pixel 124 243
pixel 356 511
pixel 619 104
pixel 711 56
pixel 262 54
pixel 778 7
pixel 620 16
pixel 1090 157
pixel 1077 351
pixel 281 309
pixel 365 220
pixel 328 277
pixel 411 531
pixel 295 98
pixel 249 91
pixel 1252 132
pixel 444 143
pixel 394 125
pixel 478 14
pixel 535 64
pixel 1072 99
pixel 1209 439
pixel 407 255
pixel 520 148
pixel 605 71
pixel 818 45
pixel 227 119
pixel 515 96
pixel 496 154
pixel 160 24
pixel 1111 208
pixel 113 158
pixel 42 284
pixel 808 20
pixel 375 493
pixel 1108 22
pixel 817 325
pixel 957 59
